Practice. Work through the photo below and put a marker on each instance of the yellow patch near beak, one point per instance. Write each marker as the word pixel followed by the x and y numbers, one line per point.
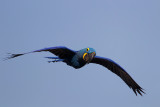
pixel 84 56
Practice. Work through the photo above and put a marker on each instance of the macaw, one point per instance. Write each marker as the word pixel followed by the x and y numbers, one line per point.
pixel 78 59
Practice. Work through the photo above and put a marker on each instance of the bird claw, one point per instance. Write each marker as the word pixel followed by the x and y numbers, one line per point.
pixel 56 60
pixel 49 61
pixel 52 61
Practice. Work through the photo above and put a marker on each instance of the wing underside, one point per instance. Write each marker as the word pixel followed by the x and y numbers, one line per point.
pixel 118 70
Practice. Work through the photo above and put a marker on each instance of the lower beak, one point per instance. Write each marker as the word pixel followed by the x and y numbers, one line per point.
pixel 91 56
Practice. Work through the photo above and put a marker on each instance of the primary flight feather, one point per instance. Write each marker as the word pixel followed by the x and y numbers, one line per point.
pixel 78 59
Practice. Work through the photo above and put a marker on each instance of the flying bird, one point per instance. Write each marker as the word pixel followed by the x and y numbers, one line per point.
pixel 78 59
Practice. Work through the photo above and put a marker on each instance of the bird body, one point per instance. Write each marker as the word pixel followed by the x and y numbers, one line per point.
pixel 78 59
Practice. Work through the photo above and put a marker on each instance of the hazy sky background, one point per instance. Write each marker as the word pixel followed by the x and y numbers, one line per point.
pixel 127 31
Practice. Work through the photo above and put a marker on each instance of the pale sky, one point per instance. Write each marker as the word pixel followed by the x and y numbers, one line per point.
pixel 126 31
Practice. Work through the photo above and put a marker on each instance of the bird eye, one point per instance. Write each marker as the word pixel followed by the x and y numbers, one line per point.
pixel 87 49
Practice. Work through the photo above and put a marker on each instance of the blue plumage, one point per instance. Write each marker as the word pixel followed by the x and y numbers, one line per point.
pixel 78 59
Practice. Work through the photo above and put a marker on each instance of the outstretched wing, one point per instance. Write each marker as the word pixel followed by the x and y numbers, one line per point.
pixel 115 68
pixel 60 51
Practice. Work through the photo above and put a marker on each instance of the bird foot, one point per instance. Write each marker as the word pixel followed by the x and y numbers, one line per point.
pixel 52 61
pixel 55 60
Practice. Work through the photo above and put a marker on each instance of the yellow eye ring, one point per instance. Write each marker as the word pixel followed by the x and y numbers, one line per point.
pixel 87 49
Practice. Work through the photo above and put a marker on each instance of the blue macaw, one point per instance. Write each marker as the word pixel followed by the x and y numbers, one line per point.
pixel 78 59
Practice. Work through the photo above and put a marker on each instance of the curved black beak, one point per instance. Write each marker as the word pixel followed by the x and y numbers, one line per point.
pixel 90 57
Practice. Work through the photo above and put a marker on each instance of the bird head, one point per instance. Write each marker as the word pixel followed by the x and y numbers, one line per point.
pixel 88 54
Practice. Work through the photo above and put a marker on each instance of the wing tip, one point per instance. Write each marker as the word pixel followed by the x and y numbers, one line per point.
pixel 139 91
pixel 12 56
